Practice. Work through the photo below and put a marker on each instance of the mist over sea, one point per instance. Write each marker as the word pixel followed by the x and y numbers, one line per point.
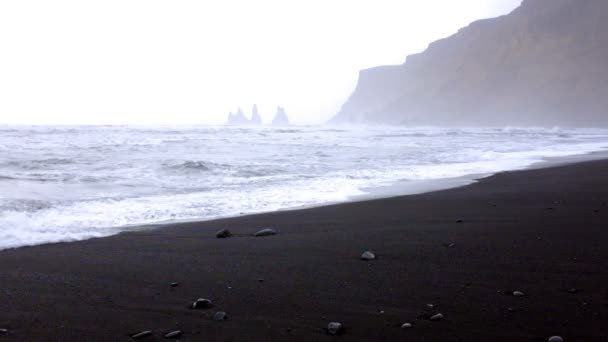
pixel 73 183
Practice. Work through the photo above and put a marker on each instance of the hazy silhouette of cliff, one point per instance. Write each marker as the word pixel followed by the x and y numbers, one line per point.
pixel 546 63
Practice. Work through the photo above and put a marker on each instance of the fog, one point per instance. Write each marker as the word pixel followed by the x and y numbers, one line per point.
pixel 191 62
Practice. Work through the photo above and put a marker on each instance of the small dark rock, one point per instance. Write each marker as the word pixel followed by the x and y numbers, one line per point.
pixel 174 334
pixel 437 317
pixel 202 303
pixel 141 335
pixel 220 316
pixel 555 339
pixel 260 280
pixel 406 326
pixel 3 331
pixel 573 290
pixel 518 294
pixel 174 284
pixel 367 255
pixel 266 232
pixel 459 221
pixel 335 328
pixel 222 234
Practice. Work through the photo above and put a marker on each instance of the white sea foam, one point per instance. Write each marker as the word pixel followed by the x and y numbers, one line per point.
pixel 73 183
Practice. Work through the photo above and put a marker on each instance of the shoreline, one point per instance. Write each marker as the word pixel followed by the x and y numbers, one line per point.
pixel 396 189
pixel 417 187
pixel 539 231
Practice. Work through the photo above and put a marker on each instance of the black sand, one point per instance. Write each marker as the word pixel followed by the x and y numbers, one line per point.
pixel 543 232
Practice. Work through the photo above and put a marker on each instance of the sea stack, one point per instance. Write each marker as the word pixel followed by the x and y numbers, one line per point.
pixel 280 119
pixel 256 119
pixel 237 119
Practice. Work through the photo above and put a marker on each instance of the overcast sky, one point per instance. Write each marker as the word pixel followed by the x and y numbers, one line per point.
pixel 185 62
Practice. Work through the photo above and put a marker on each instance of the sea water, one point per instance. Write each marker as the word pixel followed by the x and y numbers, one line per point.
pixel 79 182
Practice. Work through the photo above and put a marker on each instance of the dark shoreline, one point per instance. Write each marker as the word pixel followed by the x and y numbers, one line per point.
pixel 540 231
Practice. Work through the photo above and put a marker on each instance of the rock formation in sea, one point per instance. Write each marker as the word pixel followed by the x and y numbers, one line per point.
pixel 280 118
pixel 256 119
pixel 237 119
pixel 545 63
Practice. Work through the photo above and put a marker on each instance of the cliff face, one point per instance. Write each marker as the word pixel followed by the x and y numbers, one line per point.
pixel 546 63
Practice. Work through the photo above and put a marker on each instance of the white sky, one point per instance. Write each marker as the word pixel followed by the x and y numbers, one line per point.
pixel 189 62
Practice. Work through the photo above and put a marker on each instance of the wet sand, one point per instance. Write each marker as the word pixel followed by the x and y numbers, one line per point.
pixel 543 232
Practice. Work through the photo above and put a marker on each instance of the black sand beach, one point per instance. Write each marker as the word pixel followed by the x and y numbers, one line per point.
pixel 543 232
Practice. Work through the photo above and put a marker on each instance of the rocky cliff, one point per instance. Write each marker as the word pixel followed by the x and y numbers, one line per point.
pixel 546 63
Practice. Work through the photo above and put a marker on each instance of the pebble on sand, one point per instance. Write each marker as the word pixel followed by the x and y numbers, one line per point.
pixel 437 317
pixel 174 284
pixel 141 335
pixel 573 290
pixel 174 334
pixel 3 331
pixel 406 326
pixel 202 303
pixel 266 232
pixel 556 339
pixel 224 233
pixel 518 294
pixel 335 328
pixel 220 316
pixel 367 255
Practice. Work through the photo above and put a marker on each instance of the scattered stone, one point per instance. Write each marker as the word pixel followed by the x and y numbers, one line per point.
pixel 367 255
pixel 550 208
pixel 430 306
pixel 202 303
pixel 174 334
pixel 220 316
pixel 335 328
pixel 3 331
pixel 174 284
pixel 596 211
pixel 260 280
pixel 459 221
pixel 266 232
pixel 518 294
pixel 406 326
pixel 381 312
pixel 449 245
pixel 573 290
pixel 437 317
pixel 224 233
pixel 556 339
pixel 141 335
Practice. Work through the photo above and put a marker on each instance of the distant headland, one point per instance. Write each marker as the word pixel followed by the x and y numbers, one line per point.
pixel 544 64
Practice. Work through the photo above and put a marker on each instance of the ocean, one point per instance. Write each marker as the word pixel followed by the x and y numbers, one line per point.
pixel 77 182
